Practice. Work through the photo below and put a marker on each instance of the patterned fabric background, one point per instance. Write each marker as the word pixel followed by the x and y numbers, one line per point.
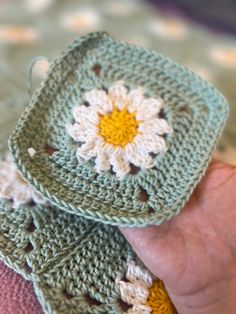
pixel 217 14
pixel 31 28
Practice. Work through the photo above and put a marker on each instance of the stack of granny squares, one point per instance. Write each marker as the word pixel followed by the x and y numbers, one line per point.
pixel 116 135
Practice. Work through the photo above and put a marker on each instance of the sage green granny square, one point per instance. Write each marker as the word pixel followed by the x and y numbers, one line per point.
pixel 117 133
pixel 77 266
pixel 73 263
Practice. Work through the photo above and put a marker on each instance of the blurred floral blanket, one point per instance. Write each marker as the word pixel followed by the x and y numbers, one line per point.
pixel 31 28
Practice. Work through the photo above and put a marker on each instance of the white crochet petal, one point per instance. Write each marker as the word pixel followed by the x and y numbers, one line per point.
pixel 135 290
pixel 130 150
pixel 136 274
pixel 149 109
pixel 22 195
pixel 80 133
pixel 150 143
pixel 159 126
pixel 118 94
pixel 99 101
pixel 135 100
pixel 133 293
pixel 76 132
pixel 102 162
pixel 87 150
pixel 85 115
pixel 144 161
pixel 117 151
pixel 120 166
pixel 138 155
pixel 107 107
pixel 111 150
pixel 96 97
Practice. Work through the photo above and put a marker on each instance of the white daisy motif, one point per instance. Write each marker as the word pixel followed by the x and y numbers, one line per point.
pixel 144 293
pixel 119 128
pixel 120 8
pixel 36 6
pixel 224 56
pixel 12 186
pixel 83 20
pixel 14 34
pixel 135 290
pixel 168 28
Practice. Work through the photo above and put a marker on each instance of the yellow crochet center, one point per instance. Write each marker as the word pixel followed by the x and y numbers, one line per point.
pixel 118 128
pixel 158 299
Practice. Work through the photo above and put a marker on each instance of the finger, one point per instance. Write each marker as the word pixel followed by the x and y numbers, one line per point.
pixel 148 243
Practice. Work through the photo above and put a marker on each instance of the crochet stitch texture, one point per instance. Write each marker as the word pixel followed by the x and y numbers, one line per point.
pixel 72 262
pixel 195 110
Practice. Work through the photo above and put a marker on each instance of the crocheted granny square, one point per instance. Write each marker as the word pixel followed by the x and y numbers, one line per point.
pixel 76 265
pixel 73 262
pixel 119 134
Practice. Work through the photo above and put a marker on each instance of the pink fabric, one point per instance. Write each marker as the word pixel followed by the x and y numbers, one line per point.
pixel 16 294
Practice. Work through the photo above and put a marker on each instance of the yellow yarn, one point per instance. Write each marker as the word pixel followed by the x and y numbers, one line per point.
pixel 118 128
pixel 158 299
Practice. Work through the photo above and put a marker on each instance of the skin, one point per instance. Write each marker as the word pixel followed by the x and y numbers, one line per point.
pixel 195 252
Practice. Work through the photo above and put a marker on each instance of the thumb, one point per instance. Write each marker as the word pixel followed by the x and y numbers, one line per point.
pixel 148 243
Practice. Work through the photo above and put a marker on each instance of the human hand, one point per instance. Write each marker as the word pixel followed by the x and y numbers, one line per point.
pixel 194 253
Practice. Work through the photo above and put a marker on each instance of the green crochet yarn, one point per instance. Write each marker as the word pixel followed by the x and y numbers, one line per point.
pixel 72 262
pixel 196 111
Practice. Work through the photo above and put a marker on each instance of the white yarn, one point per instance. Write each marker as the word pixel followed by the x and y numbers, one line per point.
pixel 13 187
pixel 135 292
pixel 31 152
